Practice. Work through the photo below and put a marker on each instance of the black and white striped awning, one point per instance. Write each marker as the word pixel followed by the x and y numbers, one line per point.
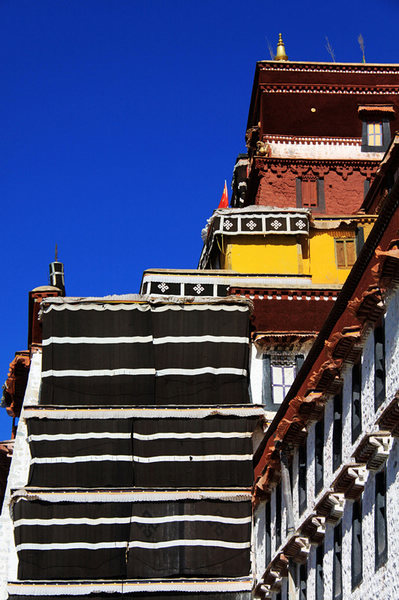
pixel 134 452
pixel 139 353
pixel 133 538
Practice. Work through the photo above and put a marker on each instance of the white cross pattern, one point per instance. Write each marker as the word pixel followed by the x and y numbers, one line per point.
pixel 276 224
pixel 300 224
pixel 228 225
pixel 198 288
pixel 163 287
pixel 251 225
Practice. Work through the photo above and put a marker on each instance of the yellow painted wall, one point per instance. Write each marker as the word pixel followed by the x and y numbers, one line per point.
pixel 261 254
pixel 288 254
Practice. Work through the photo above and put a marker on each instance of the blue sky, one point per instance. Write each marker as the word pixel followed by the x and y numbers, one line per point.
pixel 120 121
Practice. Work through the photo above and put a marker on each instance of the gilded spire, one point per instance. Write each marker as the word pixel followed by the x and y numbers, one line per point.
pixel 280 55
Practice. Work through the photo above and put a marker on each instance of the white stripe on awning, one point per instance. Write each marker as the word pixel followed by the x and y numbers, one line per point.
pixel 202 371
pixel 187 339
pixel 160 373
pixel 192 436
pixel 96 373
pixel 192 458
pixel 139 459
pixel 135 544
pixel 45 437
pixel 133 519
pixel 144 339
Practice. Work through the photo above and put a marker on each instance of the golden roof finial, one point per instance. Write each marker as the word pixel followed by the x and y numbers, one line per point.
pixel 280 55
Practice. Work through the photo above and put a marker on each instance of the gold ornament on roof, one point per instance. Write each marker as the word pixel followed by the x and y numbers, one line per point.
pixel 280 55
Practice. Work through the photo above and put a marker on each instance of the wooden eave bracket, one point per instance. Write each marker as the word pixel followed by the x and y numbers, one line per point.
pixel 311 406
pixel 314 528
pixel 351 481
pixel 344 345
pixel 331 507
pixel 275 571
pixel 327 378
pixel 370 306
pixel 297 548
pixel 374 449
pixel 389 419
pixel 388 267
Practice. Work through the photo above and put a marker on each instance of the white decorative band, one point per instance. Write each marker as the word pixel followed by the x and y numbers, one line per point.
pixel 92 435
pixel 30 590
pixel 233 307
pixel 143 412
pixel 242 495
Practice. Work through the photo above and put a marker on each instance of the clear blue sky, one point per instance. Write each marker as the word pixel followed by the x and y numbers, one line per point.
pixel 120 121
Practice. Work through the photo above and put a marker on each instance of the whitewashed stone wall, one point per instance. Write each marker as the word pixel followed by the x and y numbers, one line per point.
pixel 17 478
pixel 381 583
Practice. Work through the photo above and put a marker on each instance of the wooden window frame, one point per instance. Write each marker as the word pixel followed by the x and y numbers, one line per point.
pixel 348 262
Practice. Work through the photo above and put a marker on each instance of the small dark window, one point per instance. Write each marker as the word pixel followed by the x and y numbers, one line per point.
pixel 357 544
pixel 356 401
pixel 319 572
pixel 268 538
pixel 379 364
pixel 318 451
pixel 337 563
pixel 345 253
pixel 380 519
pixel 310 193
pixel 303 577
pixel 337 431
pixel 278 516
pixel 302 475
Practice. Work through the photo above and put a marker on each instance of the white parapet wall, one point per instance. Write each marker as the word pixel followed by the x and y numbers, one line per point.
pixel 17 478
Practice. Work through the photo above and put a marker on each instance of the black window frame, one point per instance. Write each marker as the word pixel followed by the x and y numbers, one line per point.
pixel 302 477
pixel 278 515
pixel 380 519
pixel 356 401
pixel 319 572
pixel 319 456
pixel 268 533
pixel 337 431
pixel 337 563
pixel 303 581
pixel 357 544
pixel 379 364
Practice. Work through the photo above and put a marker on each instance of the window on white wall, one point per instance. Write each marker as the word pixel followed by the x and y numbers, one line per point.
pixel 337 563
pixel 356 401
pixel 380 519
pixel 379 364
pixel 279 371
pixel 319 575
pixel 357 544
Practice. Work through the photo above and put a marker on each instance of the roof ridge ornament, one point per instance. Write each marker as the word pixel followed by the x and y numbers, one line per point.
pixel 280 54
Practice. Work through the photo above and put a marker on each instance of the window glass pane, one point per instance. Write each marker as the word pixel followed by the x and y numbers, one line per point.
pixel 340 251
pixel 357 550
pixel 278 394
pixel 356 401
pixel 350 252
pixel 277 375
pixel 289 376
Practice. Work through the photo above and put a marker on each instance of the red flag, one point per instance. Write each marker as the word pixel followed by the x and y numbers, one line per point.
pixel 224 202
